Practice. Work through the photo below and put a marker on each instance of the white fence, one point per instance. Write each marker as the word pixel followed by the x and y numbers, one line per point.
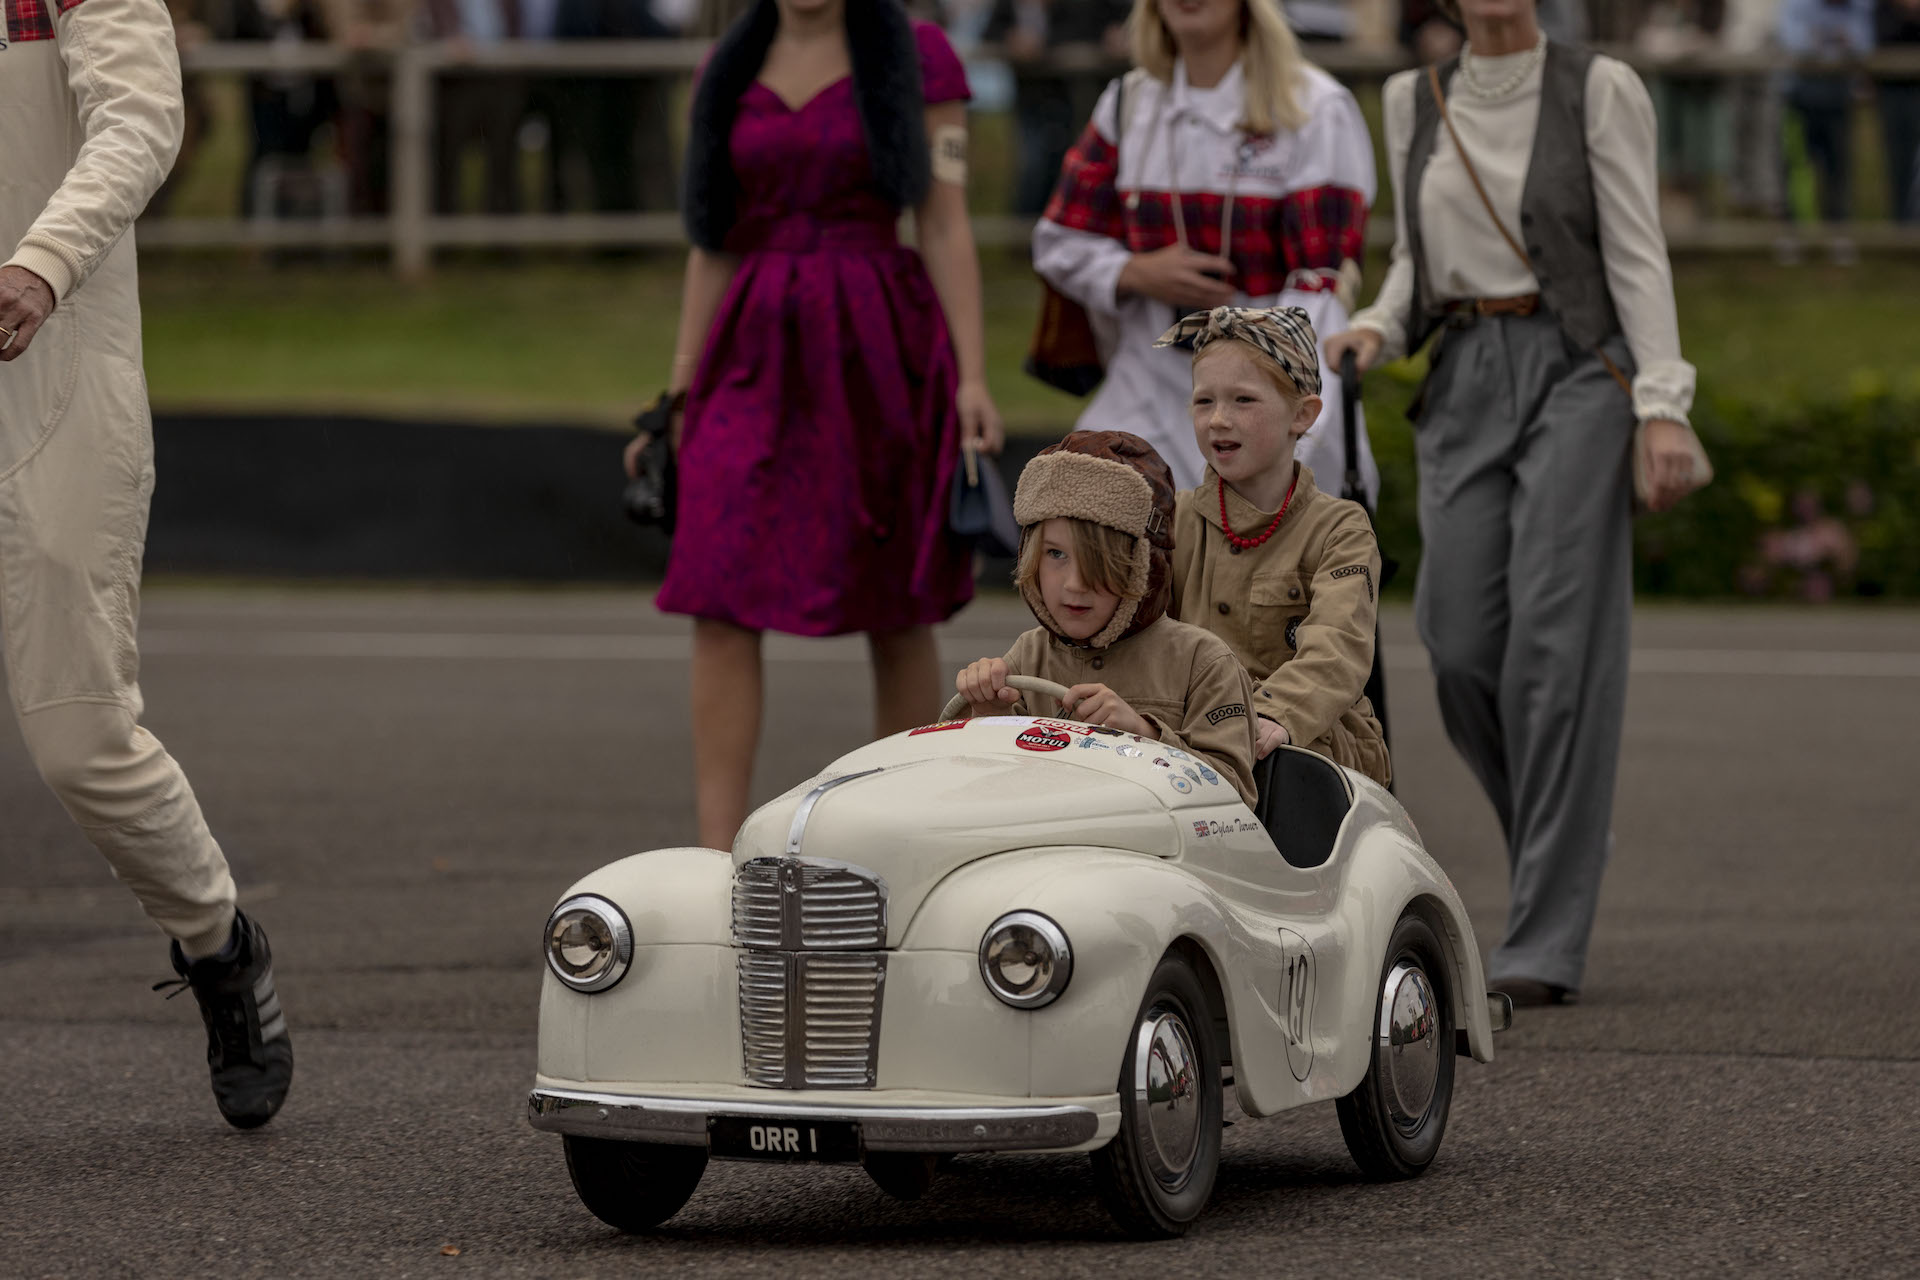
pixel 412 231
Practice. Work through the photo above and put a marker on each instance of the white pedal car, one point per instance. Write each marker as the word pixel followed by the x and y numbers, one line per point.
pixel 1010 934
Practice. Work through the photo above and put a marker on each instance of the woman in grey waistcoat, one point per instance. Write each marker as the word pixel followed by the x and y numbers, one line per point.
pixel 1526 431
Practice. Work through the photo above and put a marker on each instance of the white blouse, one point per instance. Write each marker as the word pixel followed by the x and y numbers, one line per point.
pixel 1466 257
pixel 1181 138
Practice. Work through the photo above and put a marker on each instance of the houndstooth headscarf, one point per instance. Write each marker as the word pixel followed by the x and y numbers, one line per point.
pixel 1283 333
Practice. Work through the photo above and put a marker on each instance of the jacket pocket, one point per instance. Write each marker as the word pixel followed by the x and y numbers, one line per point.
pixel 1279 603
pixel 36 388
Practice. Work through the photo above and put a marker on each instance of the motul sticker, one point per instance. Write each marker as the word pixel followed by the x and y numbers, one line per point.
pixel 941 727
pixel 1039 739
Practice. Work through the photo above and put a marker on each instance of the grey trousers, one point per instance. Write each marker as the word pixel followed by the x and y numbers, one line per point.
pixel 1524 603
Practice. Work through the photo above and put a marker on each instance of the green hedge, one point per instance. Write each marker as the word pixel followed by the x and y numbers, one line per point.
pixel 1811 501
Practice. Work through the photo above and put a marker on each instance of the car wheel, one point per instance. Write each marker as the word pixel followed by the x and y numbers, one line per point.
pixel 1394 1121
pixel 904 1175
pixel 1158 1172
pixel 634 1186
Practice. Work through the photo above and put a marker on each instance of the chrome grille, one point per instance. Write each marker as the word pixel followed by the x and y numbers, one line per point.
pixel 797 904
pixel 840 908
pixel 810 1021
pixel 811 969
pixel 756 904
pixel 763 1015
pixel 841 998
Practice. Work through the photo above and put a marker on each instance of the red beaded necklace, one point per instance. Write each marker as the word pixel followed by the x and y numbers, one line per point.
pixel 1248 544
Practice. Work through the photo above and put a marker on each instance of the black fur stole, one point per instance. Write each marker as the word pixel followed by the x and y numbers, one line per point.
pixel 886 87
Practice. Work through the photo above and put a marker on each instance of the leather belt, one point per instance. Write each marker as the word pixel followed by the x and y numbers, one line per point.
pixel 1461 312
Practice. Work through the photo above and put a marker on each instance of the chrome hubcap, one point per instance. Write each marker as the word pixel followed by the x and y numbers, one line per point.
pixel 1408 1047
pixel 1167 1097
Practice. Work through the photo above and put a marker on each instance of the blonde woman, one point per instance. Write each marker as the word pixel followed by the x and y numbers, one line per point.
pixel 1223 170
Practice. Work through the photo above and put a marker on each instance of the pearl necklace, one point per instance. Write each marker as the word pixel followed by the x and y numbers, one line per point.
pixel 1529 63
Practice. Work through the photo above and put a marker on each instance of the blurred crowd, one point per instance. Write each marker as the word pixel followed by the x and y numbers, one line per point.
pixel 1776 143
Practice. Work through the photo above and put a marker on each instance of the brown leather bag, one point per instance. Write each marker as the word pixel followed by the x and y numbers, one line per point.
pixel 1064 353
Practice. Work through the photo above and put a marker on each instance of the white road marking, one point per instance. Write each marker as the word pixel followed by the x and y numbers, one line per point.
pixel 530 647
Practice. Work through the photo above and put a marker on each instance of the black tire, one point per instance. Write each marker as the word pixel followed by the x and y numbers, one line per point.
pixel 1150 1204
pixel 1386 1143
pixel 634 1186
pixel 904 1175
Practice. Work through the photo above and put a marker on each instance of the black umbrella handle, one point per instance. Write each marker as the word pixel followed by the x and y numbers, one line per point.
pixel 1350 426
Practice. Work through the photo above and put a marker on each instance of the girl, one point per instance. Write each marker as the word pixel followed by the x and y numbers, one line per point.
pixel 831 375
pixel 1096 515
pixel 1225 168
pixel 1284 573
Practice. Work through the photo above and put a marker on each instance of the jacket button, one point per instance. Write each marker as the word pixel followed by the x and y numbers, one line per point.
pixel 1534 251
pixel 1293 593
pixel 1099 663
pixel 1224 607
pixel 1233 548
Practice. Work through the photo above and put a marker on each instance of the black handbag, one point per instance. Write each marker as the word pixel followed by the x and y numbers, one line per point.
pixel 979 511
pixel 651 496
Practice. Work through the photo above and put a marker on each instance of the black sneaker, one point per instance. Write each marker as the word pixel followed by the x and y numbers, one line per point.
pixel 248 1049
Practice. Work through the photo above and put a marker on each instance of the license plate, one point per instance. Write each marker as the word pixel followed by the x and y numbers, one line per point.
pixel 751 1138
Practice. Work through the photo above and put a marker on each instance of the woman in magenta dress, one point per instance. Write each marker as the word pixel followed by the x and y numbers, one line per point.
pixel 831 375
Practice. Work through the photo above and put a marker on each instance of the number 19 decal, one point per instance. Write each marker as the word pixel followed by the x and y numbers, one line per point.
pixel 1297 976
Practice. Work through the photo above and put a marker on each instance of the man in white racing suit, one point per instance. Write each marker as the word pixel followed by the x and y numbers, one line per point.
pixel 90 120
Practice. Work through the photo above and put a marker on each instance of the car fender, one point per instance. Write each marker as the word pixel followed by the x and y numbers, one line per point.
pixel 672 1016
pixel 1121 912
pixel 1389 872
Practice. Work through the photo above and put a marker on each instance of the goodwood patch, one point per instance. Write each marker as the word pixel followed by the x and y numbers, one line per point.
pixel 1227 712
pixel 1043 739
pixel 1353 570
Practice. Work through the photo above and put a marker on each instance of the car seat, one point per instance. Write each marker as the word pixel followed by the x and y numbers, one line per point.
pixel 1303 799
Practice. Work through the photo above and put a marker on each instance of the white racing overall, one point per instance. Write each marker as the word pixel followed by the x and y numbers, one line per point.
pixel 90 119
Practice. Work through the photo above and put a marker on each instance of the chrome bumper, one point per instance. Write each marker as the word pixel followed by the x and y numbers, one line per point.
pixel 683 1121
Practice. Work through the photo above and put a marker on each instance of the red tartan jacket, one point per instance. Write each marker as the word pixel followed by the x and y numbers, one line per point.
pixel 1300 198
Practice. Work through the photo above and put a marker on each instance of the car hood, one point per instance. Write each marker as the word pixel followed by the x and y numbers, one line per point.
pixel 911 813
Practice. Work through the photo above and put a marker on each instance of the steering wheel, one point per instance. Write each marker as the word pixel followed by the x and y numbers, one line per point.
pixel 1025 684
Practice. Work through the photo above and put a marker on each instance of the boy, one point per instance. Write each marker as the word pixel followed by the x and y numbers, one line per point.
pixel 1096 517
pixel 1287 575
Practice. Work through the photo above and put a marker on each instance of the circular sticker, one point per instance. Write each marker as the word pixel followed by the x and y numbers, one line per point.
pixel 1039 739
pixel 1180 784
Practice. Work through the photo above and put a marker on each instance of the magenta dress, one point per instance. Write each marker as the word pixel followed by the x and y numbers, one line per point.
pixel 820 435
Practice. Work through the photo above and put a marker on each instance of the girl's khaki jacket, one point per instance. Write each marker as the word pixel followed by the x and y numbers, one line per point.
pixel 1183 681
pixel 1298 611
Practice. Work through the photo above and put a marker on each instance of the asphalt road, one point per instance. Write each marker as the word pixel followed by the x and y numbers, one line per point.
pixel 405 783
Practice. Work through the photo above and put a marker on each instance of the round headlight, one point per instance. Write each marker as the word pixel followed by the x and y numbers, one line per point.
pixel 589 944
pixel 1025 959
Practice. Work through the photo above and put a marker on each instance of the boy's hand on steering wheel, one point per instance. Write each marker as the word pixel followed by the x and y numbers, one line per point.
pixel 1269 734
pixel 984 685
pixel 1097 704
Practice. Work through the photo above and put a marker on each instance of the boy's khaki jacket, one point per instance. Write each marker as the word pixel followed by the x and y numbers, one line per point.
pixel 1297 610
pixel 1183 681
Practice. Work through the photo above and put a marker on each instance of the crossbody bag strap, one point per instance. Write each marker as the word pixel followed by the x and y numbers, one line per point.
pixel 1466 162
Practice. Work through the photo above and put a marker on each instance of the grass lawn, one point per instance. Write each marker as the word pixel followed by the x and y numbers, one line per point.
pixel 589 341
